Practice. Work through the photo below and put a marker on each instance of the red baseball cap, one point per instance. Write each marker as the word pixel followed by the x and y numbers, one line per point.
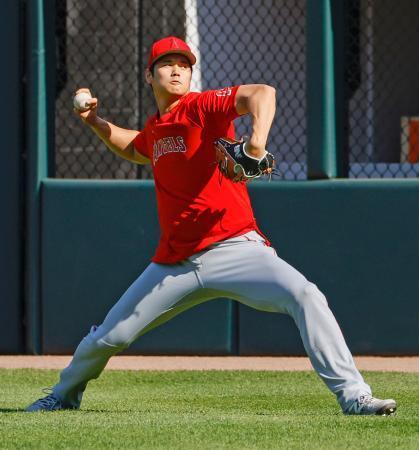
pixel 170 44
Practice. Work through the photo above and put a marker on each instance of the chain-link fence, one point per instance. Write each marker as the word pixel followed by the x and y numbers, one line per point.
pixel 97 44
pixel 382 66
pixel 104 45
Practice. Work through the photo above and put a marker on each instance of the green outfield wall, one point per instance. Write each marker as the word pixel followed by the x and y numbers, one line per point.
pixel 357 240
pixel 11 298
pixel 97 237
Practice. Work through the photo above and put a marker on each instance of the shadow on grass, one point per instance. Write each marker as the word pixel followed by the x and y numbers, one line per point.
pixel 108 411
pixel 9 410
pixel 6 410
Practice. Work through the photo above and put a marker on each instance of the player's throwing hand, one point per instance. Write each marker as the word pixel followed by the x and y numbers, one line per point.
pixel 85 106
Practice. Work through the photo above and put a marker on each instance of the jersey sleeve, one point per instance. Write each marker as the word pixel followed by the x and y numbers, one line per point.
pixel 140 144
pixel 218 105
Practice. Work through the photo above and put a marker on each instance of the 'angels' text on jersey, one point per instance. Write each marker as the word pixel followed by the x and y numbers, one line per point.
pixel 168 144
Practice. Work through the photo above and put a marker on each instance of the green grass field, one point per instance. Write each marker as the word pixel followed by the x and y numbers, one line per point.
pixel 199 410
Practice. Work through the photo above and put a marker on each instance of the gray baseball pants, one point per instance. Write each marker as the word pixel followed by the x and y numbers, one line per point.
pixel 242 268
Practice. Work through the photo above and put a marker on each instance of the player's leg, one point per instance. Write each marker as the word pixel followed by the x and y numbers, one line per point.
pixel 252 273
pixel 161 292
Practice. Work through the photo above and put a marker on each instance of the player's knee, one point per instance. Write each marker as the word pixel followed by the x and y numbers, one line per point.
pixel 113 346
pixel 311 296
pixel 118 340
pixel 110 342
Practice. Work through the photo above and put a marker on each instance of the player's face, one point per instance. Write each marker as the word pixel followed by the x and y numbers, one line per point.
pixel 172 75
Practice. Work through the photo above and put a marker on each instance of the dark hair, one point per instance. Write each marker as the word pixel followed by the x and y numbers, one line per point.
pixel 157 60
pixel 152 68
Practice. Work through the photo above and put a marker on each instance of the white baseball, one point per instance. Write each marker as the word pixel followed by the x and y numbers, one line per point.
pixel 80 101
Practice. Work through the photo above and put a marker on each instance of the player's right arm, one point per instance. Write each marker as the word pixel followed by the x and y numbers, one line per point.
pixel 118 140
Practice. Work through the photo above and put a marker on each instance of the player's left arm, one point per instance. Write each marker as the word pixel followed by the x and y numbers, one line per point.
pixel 258 100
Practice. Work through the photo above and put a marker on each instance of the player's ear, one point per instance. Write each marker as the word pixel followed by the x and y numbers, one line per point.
pixel 148 76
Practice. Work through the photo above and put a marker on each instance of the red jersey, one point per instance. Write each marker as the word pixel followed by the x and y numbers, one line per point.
pixel 197 205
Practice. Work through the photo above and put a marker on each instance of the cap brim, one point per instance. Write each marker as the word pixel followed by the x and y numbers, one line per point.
pixel 189 55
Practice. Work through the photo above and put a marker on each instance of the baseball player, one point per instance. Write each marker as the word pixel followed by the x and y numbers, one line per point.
pixel 210 244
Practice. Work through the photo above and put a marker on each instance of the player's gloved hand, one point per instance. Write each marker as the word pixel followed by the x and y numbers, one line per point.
pixel 237 165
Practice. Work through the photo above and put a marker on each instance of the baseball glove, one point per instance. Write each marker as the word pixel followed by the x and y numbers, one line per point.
pixel 237 165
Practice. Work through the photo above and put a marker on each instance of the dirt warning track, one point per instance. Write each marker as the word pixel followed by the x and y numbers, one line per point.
pixel 374 363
